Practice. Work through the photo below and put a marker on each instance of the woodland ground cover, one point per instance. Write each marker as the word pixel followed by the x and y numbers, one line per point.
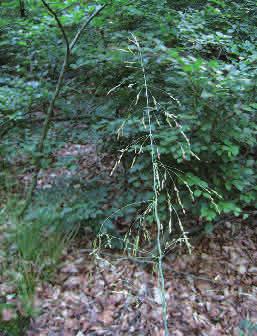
pixel 146 140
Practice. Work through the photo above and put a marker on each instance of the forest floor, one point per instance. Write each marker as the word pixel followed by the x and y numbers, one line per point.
pixel 210 293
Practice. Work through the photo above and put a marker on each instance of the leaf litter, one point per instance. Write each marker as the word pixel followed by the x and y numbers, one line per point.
pixel 209 293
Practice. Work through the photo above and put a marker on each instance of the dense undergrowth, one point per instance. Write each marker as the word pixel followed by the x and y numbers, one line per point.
pixel 191 67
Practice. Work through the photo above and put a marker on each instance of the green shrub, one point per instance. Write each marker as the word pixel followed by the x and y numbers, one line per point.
pixel 200 60
pixel 211 75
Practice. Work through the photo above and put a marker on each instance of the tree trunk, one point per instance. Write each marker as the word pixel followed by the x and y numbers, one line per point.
pixel 22 9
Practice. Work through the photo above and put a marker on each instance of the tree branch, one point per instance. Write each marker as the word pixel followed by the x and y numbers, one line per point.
pixel 59 25
pixel 84 25
pixel 50 111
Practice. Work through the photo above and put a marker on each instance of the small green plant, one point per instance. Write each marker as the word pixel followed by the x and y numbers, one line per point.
pixel 15 327
pixel 247 328
pixel 33 250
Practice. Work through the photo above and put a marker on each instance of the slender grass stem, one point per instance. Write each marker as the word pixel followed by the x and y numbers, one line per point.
pixel 156 194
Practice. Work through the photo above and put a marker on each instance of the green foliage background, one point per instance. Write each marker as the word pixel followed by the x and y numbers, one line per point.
pixel 201 53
